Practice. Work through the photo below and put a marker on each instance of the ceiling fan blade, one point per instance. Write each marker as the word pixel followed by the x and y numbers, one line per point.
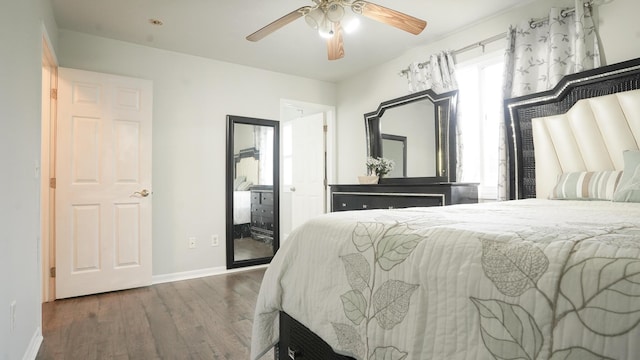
pixel 391 17
pixel 294 15
pixel 335 48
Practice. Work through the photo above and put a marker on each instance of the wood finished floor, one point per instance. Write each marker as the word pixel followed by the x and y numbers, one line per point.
pixel 248 248
pixel 205 318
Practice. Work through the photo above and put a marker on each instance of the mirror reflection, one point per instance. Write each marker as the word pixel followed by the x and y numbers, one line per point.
pixel 416 123
pixel 252 177
pixel 417 132
pixel 395 149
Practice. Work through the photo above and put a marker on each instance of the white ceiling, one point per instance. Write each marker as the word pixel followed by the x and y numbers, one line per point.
pixel 217 29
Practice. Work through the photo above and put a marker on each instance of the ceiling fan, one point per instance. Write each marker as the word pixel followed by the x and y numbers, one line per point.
pixel 329 16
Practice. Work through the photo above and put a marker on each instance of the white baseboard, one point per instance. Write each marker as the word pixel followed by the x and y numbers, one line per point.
pixel 194 274
pixel 34 345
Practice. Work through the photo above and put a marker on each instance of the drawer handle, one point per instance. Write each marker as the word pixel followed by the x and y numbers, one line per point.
pixel 344 205
pixel 364 206
pixel 293 354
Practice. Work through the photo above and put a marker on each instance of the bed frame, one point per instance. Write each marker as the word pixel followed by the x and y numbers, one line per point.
pixel 298 342
pixel 519 111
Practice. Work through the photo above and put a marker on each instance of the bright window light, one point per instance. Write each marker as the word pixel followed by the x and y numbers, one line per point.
pixel 479 114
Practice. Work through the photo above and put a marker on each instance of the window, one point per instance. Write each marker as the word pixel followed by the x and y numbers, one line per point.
pixel 479 116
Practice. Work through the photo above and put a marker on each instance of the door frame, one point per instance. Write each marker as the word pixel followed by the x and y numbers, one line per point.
pixel 47 168
pixel 291 109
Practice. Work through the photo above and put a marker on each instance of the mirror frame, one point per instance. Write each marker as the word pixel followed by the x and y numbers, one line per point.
pixel 445 105
pixel 230 165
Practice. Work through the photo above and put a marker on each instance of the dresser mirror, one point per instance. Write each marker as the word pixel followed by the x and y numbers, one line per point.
pixel 252 191
pixel 417 132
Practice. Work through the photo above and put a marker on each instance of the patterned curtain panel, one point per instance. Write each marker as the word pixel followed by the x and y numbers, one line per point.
pixel 438 74
pixel 539 55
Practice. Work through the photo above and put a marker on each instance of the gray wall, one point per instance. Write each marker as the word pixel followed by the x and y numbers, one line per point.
pixel 21 28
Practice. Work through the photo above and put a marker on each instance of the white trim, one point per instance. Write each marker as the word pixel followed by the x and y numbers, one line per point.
pixel 34 345
pixel 47 38
pixel 46 241
pixel 194 274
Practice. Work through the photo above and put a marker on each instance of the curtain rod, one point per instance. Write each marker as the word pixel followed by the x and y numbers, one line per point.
pixel 533 23
pixel 481 43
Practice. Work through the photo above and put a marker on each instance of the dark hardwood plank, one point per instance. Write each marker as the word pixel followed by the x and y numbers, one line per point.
pixel 206 318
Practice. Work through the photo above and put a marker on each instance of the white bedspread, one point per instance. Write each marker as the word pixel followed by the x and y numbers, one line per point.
pixel 528 279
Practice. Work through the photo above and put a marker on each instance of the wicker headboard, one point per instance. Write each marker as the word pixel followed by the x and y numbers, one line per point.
pixel 519 111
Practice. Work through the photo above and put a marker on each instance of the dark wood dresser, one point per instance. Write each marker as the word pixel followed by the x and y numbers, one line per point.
pixel 390 196
pixel 262 213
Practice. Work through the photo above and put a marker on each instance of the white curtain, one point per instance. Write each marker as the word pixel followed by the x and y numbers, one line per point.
pixel 439 75
pixel 538 56
pixel 264 142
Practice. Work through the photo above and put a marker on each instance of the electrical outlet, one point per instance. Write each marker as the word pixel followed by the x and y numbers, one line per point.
pixel 192 242
pixel 12 316
pixel 215 241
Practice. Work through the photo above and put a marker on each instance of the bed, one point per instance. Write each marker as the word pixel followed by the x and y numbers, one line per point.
pixel 554 274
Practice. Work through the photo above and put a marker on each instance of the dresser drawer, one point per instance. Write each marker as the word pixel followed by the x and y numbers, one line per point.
pixel 262 197
pixel 262 210
pixel 267 198
pixel 261 222
pixel 392 196
pixel 368 201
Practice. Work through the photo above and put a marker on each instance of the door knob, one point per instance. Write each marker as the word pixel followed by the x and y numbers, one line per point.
pixel 143 193
pixel 293 188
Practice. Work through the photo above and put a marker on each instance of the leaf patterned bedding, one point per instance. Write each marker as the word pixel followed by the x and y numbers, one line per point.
pixel 525 279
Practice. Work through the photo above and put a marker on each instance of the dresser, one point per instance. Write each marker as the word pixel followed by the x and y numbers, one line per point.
pixel 391 196
pixel 262 213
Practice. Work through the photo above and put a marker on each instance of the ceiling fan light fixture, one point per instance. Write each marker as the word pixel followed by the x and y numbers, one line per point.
pixel 331 19
pixel 335 11
pixel 315 18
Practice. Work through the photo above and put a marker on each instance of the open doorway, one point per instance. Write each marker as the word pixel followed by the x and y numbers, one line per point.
pixel 308 161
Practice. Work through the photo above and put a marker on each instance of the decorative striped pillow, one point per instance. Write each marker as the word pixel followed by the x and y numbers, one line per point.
pixel 593 185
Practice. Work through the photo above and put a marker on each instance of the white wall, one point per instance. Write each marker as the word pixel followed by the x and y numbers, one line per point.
pixel 192 96
pixel 21 29
pixel 619 31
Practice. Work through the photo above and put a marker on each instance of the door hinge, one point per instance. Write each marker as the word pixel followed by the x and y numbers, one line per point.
pixel 54 94
pixel 52 183
pixel 325 128
pixel 52 272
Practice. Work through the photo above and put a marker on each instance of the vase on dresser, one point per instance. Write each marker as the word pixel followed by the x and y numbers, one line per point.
pixel 367 179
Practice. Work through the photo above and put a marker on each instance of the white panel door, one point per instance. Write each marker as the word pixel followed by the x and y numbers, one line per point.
pixel 103 187
pixel 308 190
